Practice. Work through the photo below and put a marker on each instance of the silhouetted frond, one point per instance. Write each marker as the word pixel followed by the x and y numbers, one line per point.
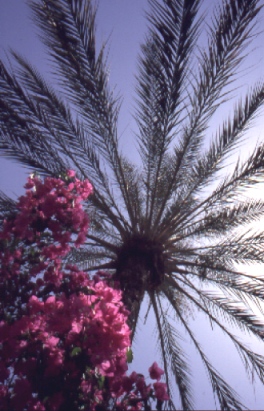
pixel 174 226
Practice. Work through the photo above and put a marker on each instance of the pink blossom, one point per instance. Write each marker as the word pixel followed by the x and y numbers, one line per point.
pixel 142 387
pixel 161 391
pixel 35 405
pixel 69 337
pixel 4 372
pixel 22 393
pixel 70 173
pixel 127 383
pixel 4 398
pixel 155 372
pixel 86 386
pixel 51 342
pixel 56 401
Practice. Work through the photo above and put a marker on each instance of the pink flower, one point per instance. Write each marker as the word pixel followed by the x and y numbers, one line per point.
pixel 142 387
pixel 155 372
pixel 76 327
pixel 70 173
pixel 160 389
pixel 35 305
pixel 22 391
pixel 86 386
pixel 127 383
pixel 51 342
pixel 54 362
pixel 106 368
pixel 36 406
pixel 4 372
pixel 133 377
pixel 71 331
pixel 56 401
pixel 80 239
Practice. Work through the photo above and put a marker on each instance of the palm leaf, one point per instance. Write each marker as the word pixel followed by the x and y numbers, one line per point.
pixel 169 227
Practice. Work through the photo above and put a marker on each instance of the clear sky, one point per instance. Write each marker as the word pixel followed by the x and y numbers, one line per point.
pixel 124 21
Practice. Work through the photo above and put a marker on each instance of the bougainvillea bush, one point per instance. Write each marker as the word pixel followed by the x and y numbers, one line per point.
pixel 64 338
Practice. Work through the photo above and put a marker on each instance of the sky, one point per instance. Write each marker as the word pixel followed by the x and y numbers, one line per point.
pixel 123 21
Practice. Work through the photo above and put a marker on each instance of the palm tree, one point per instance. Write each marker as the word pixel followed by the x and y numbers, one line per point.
pixel 164 228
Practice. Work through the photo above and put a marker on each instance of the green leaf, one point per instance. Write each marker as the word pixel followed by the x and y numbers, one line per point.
pixel 101 381
pixel 129 355
pixel 76 351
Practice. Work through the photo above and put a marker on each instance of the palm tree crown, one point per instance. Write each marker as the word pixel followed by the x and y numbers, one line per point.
pixel 154 226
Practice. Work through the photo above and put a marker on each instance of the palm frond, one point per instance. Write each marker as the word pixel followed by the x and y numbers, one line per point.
pixel 228 138
pixel 161 84
pixel 169 227
pixel 7 207
pixel 227 397
pixel 68 31
pixel 231 28
pixel 250 358
pixel 172 352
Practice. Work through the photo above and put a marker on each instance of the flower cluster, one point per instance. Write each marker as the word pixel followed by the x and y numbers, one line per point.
pixel 64 336
pixel 53 349
pixel 33 242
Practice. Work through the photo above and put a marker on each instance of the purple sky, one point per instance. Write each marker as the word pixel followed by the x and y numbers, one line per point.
pixel 124 20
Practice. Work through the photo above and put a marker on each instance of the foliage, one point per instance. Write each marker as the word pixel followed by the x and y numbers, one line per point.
pixel 64 338
pixel 157 226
